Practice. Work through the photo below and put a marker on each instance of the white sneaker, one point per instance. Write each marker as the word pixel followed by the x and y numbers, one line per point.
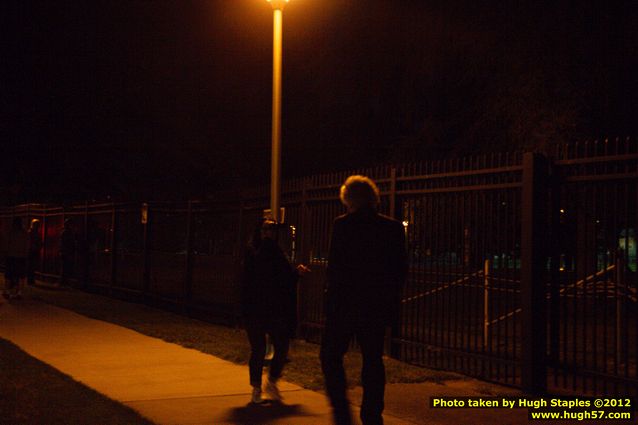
pixel 256 397
pixel 273 391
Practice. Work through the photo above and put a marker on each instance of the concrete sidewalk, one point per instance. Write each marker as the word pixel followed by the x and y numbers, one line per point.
pixel 164 382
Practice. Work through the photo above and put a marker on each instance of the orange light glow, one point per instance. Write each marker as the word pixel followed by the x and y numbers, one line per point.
pixel 278 4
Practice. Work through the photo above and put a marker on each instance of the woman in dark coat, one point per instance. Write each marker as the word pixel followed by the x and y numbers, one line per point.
pixel 268 305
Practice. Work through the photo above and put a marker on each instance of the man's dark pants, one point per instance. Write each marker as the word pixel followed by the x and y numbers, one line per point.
pixel 370 337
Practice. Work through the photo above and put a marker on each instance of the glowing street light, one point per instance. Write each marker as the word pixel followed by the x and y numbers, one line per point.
pixel 275 162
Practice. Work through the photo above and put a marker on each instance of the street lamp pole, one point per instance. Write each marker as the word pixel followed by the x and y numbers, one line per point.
pixel 275 163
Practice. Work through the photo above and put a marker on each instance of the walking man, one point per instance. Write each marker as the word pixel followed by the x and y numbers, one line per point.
pixel 366 269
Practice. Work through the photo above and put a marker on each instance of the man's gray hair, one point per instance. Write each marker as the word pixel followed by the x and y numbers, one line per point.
pixel 359 192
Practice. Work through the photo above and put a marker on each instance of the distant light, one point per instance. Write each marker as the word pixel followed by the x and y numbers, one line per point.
pixel 562 211
pixel 405 223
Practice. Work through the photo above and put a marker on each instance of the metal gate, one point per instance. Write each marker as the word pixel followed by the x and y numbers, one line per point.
pixel 523 269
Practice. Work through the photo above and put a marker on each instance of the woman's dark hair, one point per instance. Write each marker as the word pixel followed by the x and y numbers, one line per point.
pixel 256 239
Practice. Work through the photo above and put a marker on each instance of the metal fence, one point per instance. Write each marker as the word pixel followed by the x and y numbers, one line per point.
pixel 522 267
pixel 593 305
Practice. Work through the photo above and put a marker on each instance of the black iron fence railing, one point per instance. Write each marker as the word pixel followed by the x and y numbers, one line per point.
pixel 523 268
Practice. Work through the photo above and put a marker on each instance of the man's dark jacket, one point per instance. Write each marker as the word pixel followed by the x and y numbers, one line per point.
pixel 367 267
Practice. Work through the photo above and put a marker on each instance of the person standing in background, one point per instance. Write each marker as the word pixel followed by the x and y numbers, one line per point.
pixel 67 252
pixel 35 246
pixel 17 249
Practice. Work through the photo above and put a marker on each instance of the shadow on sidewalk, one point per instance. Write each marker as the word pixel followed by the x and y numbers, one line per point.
pixel 264 413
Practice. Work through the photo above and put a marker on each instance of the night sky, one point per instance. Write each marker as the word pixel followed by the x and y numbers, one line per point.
pixel 161 100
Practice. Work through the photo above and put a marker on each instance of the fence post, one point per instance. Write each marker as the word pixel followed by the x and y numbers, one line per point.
pixel 533 256
pixel 301 252
pixel 393 191
pixel 554 267
pixel 239 261
pixel 146 274
pixel 188 273
pixel 43 260
pixel 486 304
pixel 303 231
pixel 85 248
pixel 113 250
pixel 394 331
pixel 620 292
pixel 59 264
pixel 239 245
